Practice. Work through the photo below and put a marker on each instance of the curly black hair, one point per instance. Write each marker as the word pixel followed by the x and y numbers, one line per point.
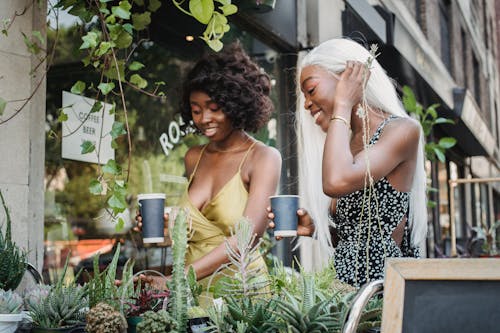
pixel 235 83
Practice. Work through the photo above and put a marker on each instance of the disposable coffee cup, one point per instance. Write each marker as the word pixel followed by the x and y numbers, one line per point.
pixel 151 207
pixel 285 208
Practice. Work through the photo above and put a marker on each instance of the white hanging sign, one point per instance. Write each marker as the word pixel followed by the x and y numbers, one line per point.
pixel 82 126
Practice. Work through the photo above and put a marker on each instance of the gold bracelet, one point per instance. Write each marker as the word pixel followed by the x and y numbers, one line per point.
pixel 342 119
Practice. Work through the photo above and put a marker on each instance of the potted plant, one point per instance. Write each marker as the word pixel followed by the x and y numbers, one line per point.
pixel 104 318
pixel 61 308
pixel 484 240
pixel 10 311
pixel 147 299
pixel 12 258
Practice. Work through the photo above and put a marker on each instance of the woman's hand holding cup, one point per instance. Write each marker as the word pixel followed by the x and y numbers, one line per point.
pixel 305 225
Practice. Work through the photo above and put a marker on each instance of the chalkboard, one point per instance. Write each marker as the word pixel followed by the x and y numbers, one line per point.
pixel 441 295
pixel 451 306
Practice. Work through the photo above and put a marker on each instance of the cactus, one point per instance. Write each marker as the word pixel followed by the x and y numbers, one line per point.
pixel 10 302
pixel 179 285
pixel 157 322
pixel 104 318
pixel 12 258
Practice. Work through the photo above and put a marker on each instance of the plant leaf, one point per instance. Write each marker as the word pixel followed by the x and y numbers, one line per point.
pixel 135 66
pixel 202 10
pixel 447 142
pixel 78 88
pixel 96 107
pixel 137 80
pixel 154 5
pixel 117 129
pixel 95 187
pixel 141 21
pixel 122 11
pixel 89 40
pixel 105 88
pixel 62 117
pixel 111 167
pixel 229 9
pixel 439 153
pixel 443 121
pixel 87 147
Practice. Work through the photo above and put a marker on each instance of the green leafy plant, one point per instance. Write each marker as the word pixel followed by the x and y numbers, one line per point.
pixel 102 286
pixel 486 236
pixel 63 306
pixel 10 302
pixel 428 118
pixel 12 258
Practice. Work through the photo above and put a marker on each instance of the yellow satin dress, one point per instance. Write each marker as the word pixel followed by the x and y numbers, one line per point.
pixel 212 224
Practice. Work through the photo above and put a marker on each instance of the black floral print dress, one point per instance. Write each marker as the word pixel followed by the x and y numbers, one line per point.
pixel 365 232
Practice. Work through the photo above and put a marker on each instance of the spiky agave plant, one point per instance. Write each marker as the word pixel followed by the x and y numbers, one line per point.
pixel 239 278
pixel 311 312
pixel 12 258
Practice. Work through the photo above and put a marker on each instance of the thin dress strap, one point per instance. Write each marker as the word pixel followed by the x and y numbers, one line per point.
pixel 197 162
pixel 246 154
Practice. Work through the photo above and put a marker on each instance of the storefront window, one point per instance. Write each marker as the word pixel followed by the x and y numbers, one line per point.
pixel 76 225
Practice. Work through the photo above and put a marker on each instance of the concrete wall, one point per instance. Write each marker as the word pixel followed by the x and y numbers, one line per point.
pixel 22 138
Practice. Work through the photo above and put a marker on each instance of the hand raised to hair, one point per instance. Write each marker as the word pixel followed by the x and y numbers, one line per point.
pixel 349 89
pixel 305 225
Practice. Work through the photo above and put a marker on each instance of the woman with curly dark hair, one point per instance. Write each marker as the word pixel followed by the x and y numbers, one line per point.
pixel 225 96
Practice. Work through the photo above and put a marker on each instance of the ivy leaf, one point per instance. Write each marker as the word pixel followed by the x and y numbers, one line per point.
pixel 123 40
pixel 111 167
pixel 229 9
pixel 104 1
pixel 141 21
pixel 117 203
pixel 87 147
pixel 3 104
pixel 135 66
pixel 224 2
pixel 96 107
pixel 117 129
pixel 62 117
pixel 154 5
pixel 128 28
pixel 78 88
pixel 202 10
pixel 119 225
pixel 111 72
pixel 447 142
pixel 137 80
pixel 214 44
pixel 105 88
pixel 95 187
pixel 89 40
pixel 103 48
pixel 122 11
pixel 139 2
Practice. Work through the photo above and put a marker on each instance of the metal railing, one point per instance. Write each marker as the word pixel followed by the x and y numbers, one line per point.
pixel 358 304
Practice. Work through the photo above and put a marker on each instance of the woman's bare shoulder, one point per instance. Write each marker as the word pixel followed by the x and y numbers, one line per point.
pixel 192 155
pixel 263 152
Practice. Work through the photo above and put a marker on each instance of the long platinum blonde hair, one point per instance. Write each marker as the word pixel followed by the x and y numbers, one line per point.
pixel 380 93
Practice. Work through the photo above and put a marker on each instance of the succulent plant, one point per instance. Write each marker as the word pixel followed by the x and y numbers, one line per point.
pixel 35 295
pixel 12 258
pixel 63 306
pixel 104 318
pixel 10 302
pixel 156 322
